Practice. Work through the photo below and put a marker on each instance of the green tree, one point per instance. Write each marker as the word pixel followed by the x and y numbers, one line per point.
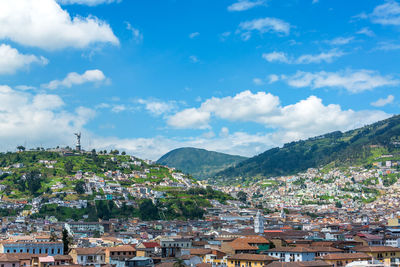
pixel 68 166
pixel 179 263
pixel 66 239
pixel 21 148
pixel 33 180
pixel 148 211
pixel 80 187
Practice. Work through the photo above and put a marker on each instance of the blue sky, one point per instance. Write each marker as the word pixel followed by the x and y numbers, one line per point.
pixel 235 76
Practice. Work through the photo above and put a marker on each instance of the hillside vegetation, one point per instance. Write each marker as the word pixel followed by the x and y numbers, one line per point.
pixel 356 147
pixel 43 183
pixel 200 163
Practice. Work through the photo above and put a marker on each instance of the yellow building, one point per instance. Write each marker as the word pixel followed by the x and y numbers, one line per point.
pixel 249 260
pixel 394 222
pixel 387 255
pixel 342 259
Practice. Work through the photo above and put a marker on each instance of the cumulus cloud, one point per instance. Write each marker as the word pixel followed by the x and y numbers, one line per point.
pixel 37 119
pixel 11 60
pixel 190 118
pixel 46 25
pixel 243 5
pixel 73 78
pixel 327 57
pixel 262 26
pixel 383 101
pixel 353 81
pixel 87 2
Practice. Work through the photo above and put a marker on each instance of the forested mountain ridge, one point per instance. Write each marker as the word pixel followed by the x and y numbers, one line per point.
pixel 355 147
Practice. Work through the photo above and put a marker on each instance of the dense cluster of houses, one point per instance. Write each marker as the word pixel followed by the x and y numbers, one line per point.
pixel 249 239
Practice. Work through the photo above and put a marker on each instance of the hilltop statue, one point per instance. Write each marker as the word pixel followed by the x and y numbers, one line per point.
pixel 78 141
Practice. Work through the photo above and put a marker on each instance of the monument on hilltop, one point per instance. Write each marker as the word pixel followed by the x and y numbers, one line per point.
pixel 78 141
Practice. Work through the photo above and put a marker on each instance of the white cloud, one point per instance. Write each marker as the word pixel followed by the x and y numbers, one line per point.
pixel 322 57
pixel 366 31
pixel 315 1
pixel 25 87
pixel 194 35
pixel 353 81
pixel 258 81
pixel 37 120
pixel 244 106
pixel 88 2
pixel 276 57
pixel 46 25
pixel 263 25
pixel 264 108
pixel 242 5
pixel 224 132
pixel 157 107
pixel 327 57
pixel 190 118
pixel 340 41
pixel 11 60
pixel 223 36
pixel 137 35
pixel 383 101
pixel 118 108
pixel 73 78
pixel 273 78
pixel 386 14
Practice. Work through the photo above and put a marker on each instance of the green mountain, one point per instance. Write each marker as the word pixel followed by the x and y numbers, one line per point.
pixel 361 146
pixel 200 163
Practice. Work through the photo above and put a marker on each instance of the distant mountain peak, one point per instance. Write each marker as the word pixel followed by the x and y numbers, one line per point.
pixel 199 162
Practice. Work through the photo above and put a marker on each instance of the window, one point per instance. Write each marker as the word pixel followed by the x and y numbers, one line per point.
pixel 59 251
